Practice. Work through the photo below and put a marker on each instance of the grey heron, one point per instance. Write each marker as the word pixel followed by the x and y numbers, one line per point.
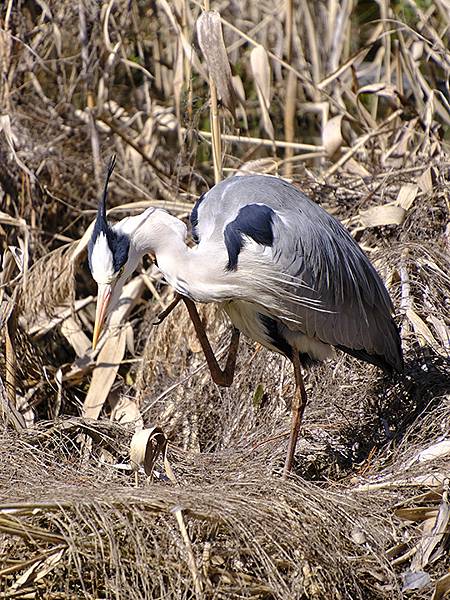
pixel 287 274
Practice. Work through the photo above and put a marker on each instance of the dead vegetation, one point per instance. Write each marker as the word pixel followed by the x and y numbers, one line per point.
pixel 351 101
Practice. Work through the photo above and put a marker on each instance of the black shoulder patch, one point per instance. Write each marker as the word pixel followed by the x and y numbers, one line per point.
pixel 194 218
pixel 253 220
pixel 120 246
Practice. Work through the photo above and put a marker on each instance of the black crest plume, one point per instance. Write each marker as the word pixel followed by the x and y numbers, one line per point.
pixel 102 205
pixel 118 243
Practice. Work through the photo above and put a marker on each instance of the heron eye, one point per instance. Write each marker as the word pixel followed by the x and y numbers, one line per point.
pixel 120 271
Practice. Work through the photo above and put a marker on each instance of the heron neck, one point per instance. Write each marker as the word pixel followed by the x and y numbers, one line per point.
pixel 189 271
pixel 174 260
pixel 166 242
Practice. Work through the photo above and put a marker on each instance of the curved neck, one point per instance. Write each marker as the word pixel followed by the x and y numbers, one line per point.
pixel 189 271
pixel 164 237
pixel 173 258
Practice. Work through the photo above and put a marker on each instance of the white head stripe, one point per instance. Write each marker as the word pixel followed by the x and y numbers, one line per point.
pixel 102 264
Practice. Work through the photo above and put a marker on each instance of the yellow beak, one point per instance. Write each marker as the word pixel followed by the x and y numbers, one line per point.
pixel 103 300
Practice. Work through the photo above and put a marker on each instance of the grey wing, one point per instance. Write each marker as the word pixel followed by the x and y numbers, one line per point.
pixel 355 310
pixel 331 291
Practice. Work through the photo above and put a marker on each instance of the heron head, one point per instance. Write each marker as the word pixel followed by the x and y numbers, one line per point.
pixel 108 252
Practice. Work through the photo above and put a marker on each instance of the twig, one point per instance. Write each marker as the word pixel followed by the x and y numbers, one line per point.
pixel 434 480
pixel 243 139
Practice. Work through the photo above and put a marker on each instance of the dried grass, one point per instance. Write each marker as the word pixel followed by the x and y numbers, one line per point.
pixel 306 547
pixel 352 103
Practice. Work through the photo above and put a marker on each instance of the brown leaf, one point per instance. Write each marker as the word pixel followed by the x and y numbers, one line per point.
pixel 112 351
pixel 104 375
pixel 388 214
pixel 356 168
pixel 433 534
pixel 145 447
pixel 6 128
pixel 420 513
pixel 381 89
pixel 240 99
pixel 259 61
pixel 43 324
pixel 442 587
pixel 415 580
pixel 423 332
pixel 76 337
pixel 332 138
pixel 425 181
pixel 127 411
pixel 438 450
pixel 442 331
pixel 407 195
pixel 210 39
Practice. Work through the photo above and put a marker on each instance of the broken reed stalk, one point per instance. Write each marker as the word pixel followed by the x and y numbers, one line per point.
pixel 86 57
pixel 11 360
pixel 244 139
pixel 5 54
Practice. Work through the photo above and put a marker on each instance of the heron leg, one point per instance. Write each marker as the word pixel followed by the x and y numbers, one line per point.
pixel 297 410
pixel 166 312
pixel 223 377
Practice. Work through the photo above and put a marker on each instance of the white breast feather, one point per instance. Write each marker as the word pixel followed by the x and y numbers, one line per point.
pixel 245 317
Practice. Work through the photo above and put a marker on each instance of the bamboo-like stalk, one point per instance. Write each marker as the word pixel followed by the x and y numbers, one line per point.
pixel 187 69
pixel 215 131
pixel 5 59
pixel 215 125
pixel 196 578
pixel 291 93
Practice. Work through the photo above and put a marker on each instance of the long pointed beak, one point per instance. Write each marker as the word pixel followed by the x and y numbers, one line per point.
pixel 103 300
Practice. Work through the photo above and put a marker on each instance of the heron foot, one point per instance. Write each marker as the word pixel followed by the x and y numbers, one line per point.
pixel 166 312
